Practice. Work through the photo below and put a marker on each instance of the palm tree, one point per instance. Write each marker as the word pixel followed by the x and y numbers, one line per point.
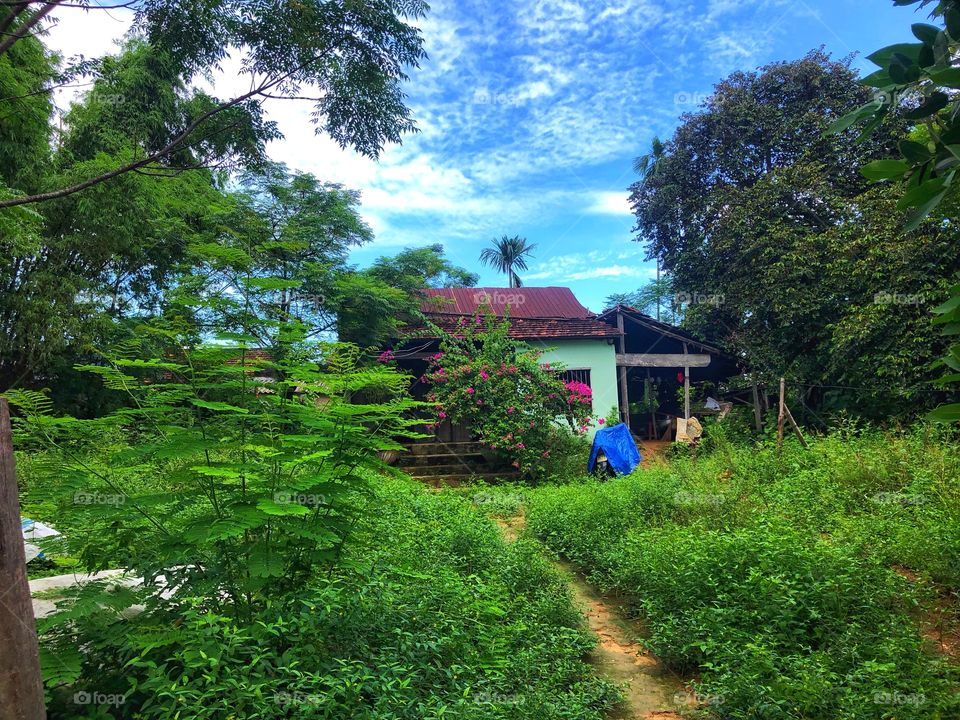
pixel 646 166
pixel 507 255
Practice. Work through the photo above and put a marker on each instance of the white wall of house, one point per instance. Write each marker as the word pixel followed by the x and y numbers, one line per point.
pixel 599 355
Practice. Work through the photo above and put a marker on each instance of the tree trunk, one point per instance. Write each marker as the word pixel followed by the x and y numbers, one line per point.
pixel 21 688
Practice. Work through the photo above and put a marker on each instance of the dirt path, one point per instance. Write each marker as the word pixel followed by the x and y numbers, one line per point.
pixel 650 692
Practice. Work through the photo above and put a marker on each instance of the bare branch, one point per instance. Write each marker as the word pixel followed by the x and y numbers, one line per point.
pixel 21 31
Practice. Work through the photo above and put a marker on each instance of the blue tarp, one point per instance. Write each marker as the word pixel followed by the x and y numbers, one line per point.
pixel 618 445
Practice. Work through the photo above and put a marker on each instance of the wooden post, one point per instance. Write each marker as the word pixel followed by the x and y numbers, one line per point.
pixel 686 387
pixel 622 371
pixel 796 428
pixel 21 688
pixel 780 416
pixel 757 418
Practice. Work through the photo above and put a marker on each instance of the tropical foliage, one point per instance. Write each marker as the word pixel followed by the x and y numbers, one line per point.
pixel 512 401
pixel 808 266
pixel 507 255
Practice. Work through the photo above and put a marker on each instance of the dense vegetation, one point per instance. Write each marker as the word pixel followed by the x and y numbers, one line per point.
pixel 795 586
pixel 808 265
pixel 201 400
pixel 427 614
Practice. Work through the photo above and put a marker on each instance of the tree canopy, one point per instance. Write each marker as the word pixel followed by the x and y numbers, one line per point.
pixel 802 265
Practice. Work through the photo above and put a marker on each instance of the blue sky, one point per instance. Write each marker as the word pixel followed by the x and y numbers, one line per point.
pixel 531 112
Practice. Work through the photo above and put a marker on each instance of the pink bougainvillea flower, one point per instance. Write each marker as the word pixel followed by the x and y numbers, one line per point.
pixel 441 414
pixel 520 446
pixel 386 356
pixel 470 391
pixel 601 420
pixel 510 409
pixel 484 375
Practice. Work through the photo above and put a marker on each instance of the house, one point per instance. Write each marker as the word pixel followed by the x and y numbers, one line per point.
pixel 549 318
pixel 634 364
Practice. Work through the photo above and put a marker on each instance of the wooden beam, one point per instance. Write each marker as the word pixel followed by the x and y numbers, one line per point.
pixel 20 685
pixel 686 382
pixel 662 360
pixel 757 417
pixel 622 371
pixel 781 415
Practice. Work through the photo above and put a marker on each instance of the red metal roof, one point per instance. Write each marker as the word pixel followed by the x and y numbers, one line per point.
pixel 524 302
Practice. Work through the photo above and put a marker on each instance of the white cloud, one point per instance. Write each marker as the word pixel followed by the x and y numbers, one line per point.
pixel 610 203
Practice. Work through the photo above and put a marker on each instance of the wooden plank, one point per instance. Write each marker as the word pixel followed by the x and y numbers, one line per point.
pixel 781 416
pixel 676 360
pixel 757 417
pixel 21 688
pixel 624 395
pixel 686 382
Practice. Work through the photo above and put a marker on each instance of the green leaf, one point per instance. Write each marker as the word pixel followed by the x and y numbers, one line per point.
pixel 916 153
pixel 884 56
pixel 879 170
pixel 214 405
pixel 921 194
pixel 949 77
pixel 952 17
pixel 842 123
pixel 272 507
pixel 951 304
pixel 925 33
pixel 878 79
pixel 920 214
pixel 945 413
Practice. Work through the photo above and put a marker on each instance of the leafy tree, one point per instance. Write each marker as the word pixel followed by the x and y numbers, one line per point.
pixel 655 298
pixel 413 269
pixel 374 304
pixel 791 258
pixel 349 59
pixel 924 78
pixel 507 255
pixel 228 481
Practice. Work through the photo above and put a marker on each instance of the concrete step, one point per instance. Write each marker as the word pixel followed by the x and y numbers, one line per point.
pixel 446 448
pixel 441 458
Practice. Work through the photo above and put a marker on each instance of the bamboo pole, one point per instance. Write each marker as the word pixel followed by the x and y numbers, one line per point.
pixel 21 688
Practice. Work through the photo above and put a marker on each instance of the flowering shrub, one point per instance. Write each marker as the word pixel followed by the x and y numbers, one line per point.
pixel 499 386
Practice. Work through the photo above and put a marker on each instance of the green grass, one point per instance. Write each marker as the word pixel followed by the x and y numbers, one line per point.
pixel 773 578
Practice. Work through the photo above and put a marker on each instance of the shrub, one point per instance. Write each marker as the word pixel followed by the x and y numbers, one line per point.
pixel 772 577
pixel 498 385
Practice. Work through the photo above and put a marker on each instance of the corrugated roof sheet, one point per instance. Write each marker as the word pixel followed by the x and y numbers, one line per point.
pixel 524 302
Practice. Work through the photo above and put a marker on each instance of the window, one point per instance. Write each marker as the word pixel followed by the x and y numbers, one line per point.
pixel 582 375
